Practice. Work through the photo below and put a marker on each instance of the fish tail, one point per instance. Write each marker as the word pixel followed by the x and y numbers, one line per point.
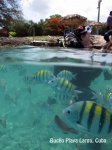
pixel 3 121
pixel 74 76
pixel 72 130
pixel 28 88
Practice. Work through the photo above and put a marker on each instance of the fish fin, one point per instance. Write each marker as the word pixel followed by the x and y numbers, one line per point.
pixel 76 95
pixel 29 88
pixel 83 129
pixel 14 100
pixel 76 92
pixel 65 132
pixel 73 130
pixel 94 95
pixel 74 76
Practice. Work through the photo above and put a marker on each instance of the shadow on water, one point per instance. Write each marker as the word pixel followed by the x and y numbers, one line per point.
pixel 84 77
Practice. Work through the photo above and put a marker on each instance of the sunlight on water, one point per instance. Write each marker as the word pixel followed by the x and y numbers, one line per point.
pixel 36 87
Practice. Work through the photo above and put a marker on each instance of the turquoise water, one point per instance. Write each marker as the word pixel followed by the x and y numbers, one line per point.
pixel 29 106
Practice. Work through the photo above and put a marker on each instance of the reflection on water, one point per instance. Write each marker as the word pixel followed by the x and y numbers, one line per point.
pixel 38 84
pixel 37 54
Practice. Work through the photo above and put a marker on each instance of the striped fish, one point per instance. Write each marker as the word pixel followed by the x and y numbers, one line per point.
pixel 16 67
pixel 29 80
pixel 2 84
pixel 3 68
pixel 64 99
pixel 90 117
pixel 62 86
pixel 66 74
pixel 61 97
pixel 43 76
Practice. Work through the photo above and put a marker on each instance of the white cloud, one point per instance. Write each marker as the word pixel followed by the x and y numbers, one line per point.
pixel 36 10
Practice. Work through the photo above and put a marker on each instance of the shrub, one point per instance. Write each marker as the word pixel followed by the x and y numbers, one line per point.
pixel 13 34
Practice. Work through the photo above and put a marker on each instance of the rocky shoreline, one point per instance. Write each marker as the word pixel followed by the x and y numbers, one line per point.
pixel 98 41
pixel 16 41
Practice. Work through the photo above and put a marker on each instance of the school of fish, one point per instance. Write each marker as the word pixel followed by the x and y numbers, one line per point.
pixel 85 116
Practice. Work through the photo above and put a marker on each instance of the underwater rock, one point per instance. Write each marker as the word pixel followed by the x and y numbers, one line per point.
pixel 107 75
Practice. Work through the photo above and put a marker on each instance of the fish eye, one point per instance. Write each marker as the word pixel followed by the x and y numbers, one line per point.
pixel 68 111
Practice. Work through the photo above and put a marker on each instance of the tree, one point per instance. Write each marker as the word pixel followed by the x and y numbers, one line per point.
pixel 55 26
pixel 20 26
pixel 41 27
pixel 9 10
pixel 56 15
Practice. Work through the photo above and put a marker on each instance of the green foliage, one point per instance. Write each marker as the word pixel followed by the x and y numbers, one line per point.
pixel 21 27
pixel 102 30
pixel 13 34
pixel 55 16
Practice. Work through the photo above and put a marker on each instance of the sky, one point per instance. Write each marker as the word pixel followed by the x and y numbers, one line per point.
pixel 41 9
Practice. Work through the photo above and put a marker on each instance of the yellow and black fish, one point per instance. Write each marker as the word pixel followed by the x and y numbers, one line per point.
pixel 29 80
pixel 63 86
pixel 43 76
pixel 90 117
pixel 66 74
pixel 63 99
